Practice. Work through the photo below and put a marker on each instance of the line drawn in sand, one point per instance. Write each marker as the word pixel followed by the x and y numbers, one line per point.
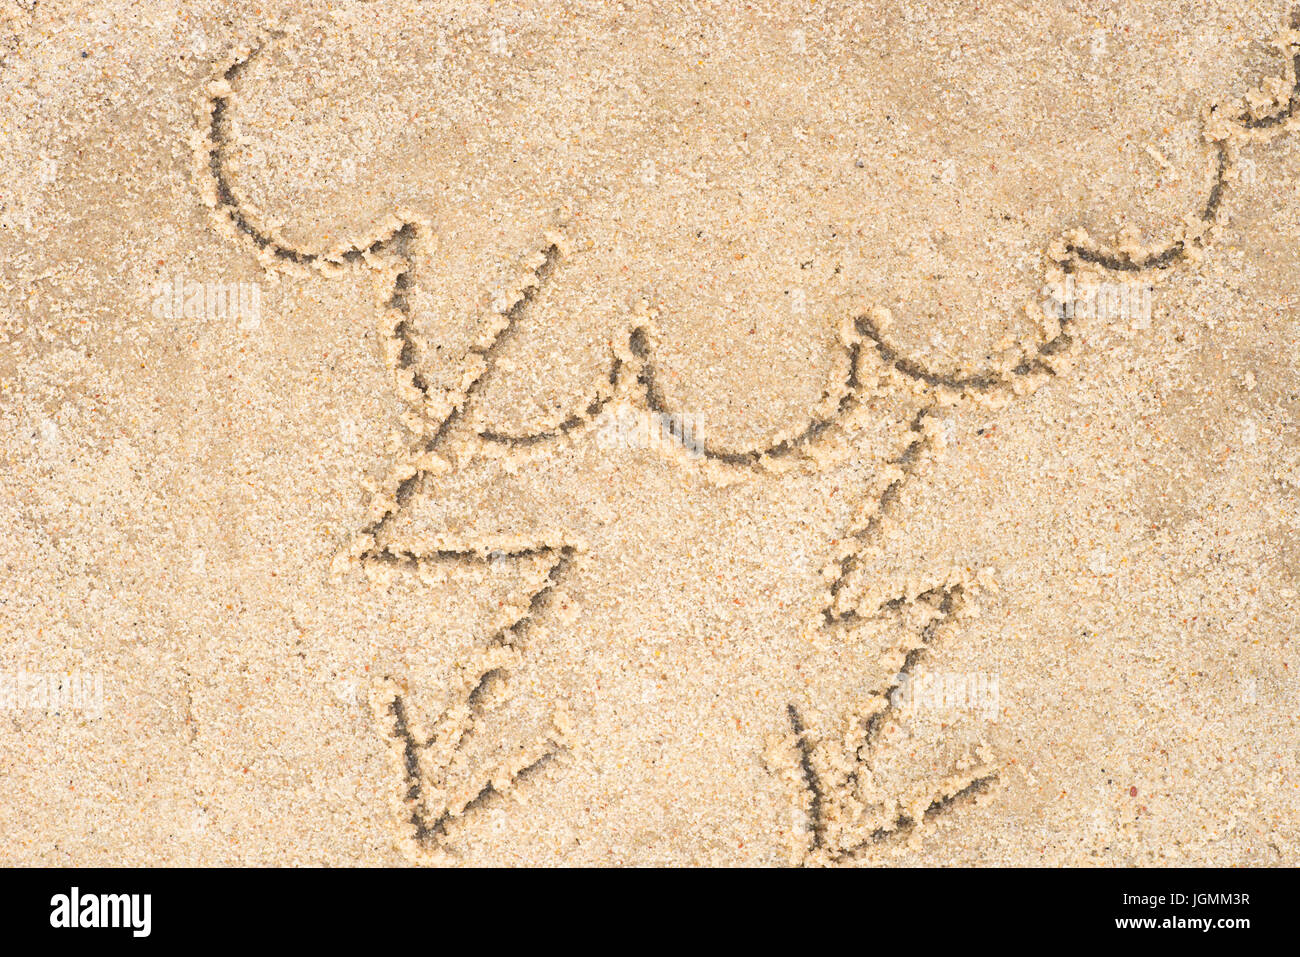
pixel 429 757
pixel 844 814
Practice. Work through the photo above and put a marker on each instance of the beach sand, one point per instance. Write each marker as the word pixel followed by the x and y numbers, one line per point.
pixel 591 433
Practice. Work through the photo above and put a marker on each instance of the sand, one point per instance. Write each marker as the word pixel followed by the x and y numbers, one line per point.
pixel 591 433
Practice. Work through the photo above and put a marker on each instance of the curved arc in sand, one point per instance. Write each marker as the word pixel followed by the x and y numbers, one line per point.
pixel 1227 131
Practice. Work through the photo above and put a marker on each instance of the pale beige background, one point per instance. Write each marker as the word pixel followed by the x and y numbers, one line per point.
pixel 174 492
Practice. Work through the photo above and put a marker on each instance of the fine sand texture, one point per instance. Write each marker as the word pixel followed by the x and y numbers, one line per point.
pixel 558 433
